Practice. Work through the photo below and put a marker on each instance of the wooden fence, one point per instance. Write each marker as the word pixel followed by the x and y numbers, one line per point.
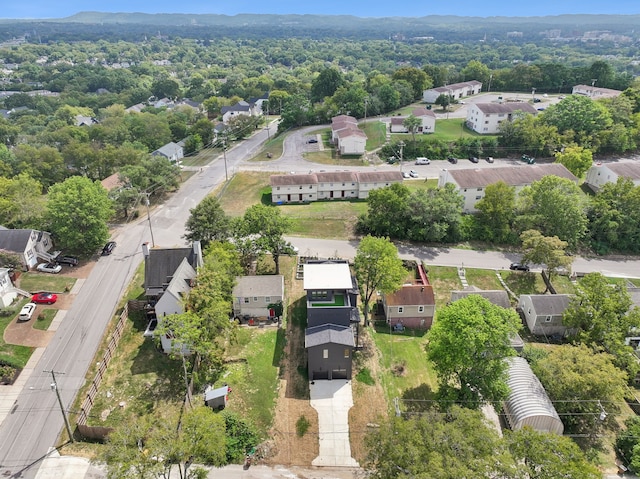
pixel 99 432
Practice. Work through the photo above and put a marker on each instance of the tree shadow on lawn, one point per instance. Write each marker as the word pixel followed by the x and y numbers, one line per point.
pixel 381 327
pixel 418 399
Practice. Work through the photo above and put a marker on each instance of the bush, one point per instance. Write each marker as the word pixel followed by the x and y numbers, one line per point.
pixel 241 436
pixel 302 426
pixel 364 376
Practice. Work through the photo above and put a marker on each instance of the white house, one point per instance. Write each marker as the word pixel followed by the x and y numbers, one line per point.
pixel 428 119
pixel 241 108
pixel 252 295
pixel 485 118
pixel 32 246
pixel 172 151
pixel 455 90
pixel 472 183
pixel 7 292
pixel 172 300
pixel 396 125
pixel 351 142
pixel 595 92
pixel 543 313
pixel 296 188
pixel 602 173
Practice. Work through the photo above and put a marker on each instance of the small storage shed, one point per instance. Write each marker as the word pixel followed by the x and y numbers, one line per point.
pixel 216 398
pixel 528 403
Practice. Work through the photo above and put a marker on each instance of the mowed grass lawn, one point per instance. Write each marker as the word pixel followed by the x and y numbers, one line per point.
pixel 320 219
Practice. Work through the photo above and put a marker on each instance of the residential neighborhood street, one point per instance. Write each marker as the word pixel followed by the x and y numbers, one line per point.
pixel 31 425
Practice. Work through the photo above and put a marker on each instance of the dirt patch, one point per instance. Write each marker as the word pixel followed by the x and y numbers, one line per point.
pixel 286 446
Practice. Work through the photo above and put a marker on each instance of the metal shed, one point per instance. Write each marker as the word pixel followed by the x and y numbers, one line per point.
pixel 528 403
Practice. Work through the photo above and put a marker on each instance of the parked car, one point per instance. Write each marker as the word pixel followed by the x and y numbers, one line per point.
pixel 405 174
pixel 413 174
pixel 27 312
pixel 392 160
pixel 530 160
pixel 44 298
pixel 489 159
pixel 312 140
pixel 108 248
pixel 518 267
pixel 49 268
pixel 68 260
pixel 473 159
pixel 452 160
pixel 423 161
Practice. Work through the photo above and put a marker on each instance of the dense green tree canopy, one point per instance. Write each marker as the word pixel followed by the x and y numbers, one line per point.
pixel 207 222
pixel 377 268
pixel 467 346
pixel 550 251
pixel 77 213
pixel 270 225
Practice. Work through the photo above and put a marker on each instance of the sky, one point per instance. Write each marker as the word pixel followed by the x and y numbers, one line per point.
pixel 360 8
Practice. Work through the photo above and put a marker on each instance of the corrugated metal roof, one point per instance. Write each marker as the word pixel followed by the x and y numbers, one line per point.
pixel 520 175
pixel 528 403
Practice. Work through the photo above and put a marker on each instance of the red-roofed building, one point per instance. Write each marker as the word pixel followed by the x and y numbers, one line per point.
pixel 413 305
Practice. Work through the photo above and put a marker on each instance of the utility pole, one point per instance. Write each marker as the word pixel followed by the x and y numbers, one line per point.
pixel 224 152
pixel 146 202
pixel 533 95
pixel 401 145
pixel 54 386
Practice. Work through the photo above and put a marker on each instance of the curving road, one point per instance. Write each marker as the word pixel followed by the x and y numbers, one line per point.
pixel 32 424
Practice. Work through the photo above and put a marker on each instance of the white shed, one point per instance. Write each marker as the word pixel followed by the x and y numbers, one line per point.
pixel 528 403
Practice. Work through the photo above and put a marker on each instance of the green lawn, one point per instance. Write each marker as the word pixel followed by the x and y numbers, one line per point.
pixel 376 132
pixel 55 283
pixel 405 371
pixel 482 278
pixel 523 283
pixel 444 279
pixel 338 300
pixel 44 319
pixel 324 219
pixel 16 356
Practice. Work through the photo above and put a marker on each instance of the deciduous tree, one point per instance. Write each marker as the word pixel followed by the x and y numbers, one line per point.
pixel 270 225
pixel 378 268
pixel 468 345
pixel 496 212
pixel 207 222
pixel 77 213
pixel 576 159
pixel 546 250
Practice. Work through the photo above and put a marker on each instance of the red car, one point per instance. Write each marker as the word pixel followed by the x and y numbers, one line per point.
pixel 44 298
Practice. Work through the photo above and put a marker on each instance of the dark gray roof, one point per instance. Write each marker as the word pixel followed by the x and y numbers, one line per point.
pixel 520 175
pixel 168 150
pixel 497 297
pixel 550 304
pixel 14 240
pixel 161 265
pixel 182 279
pixel 328 333
pixel 492 108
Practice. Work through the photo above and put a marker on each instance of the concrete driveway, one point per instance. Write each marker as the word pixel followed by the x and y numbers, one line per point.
pixel 332 400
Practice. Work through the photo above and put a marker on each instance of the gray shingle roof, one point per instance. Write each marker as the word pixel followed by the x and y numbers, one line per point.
pixel 162 264
pixel 289 180
pixel 626 169
pixel 376 176
pixel 497 297
pixel 265 285
pixel 328 333
pixel 520 175
pixel 14 240
pixel 492 108
pixel 550 304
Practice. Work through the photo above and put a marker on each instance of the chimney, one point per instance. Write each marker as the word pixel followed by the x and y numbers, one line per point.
pixel 145 250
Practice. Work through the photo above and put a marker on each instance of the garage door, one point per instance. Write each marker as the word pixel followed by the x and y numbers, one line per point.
pixel 339 374
pixel 320 375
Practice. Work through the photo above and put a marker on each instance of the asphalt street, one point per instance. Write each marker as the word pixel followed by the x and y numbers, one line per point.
pixel 34 421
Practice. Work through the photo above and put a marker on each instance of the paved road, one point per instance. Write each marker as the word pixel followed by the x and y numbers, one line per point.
pixel 614 267
pixel 33 423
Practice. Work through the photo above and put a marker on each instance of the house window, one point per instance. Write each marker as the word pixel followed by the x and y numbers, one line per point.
pixel 346 353
pixel 300 187
pixel 478 197
pixel 400 309
pixel 245 300
pixel 420 309
pixel 547 319
pixel 465 190
pixel 479 189
pixel 310 196
pixel 325 354
pixel 277 188
pixel 255 299
pixel 267 299
pixel 310 187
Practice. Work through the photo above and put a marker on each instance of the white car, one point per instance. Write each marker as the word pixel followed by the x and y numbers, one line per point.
pixel 49 268
pixel 421 160
pixel 27 312
pixel 413 174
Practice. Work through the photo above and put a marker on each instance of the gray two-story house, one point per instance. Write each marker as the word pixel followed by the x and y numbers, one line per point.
pixel 331 311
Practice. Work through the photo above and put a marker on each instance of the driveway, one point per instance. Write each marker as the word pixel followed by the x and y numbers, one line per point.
pixel 332 400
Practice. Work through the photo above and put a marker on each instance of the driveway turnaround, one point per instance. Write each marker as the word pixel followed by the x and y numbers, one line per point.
pixel 332 400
